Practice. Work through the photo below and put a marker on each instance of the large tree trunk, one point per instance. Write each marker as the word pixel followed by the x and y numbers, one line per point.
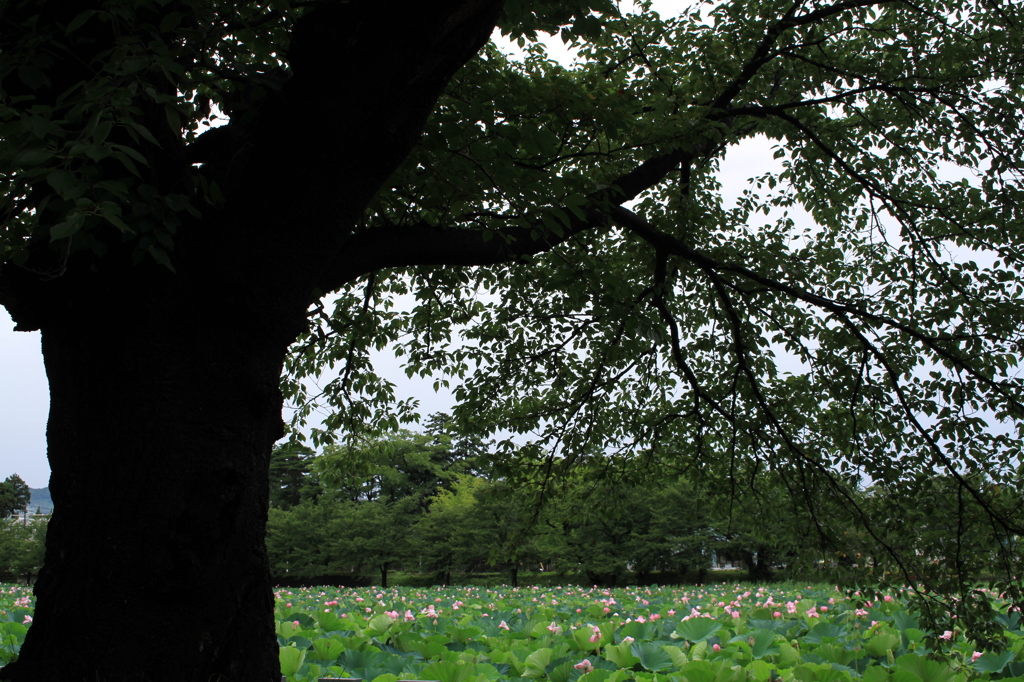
pixel 164 386
pixel 163 413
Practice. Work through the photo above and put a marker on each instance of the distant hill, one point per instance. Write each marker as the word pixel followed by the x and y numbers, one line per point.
pixel 40 500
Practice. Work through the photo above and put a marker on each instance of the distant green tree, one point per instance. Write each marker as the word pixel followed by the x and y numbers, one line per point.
pixel 378 532
pixel 671 528
pixel 512 521
pixel 612 528
pixel 397 465
pixel 291 479
pixel 14 496
pixel 453 533
pixel 299 541
pixel 21 547
pixel 353 509
pixel 758 518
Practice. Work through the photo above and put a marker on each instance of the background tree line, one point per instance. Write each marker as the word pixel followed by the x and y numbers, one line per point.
pixel 21 540
pixel 440 507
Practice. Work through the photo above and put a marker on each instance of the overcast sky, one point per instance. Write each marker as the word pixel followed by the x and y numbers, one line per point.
pixel 24 401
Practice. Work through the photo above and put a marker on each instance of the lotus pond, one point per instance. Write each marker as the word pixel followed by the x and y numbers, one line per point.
pixel 721 633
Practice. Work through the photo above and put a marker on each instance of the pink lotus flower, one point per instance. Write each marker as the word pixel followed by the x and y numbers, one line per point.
pixel 627 640
pixel 596 634
pixel 976 655
pixel 555 628
pixel 503 626
pixel 947 635
pixel 585 666
pixel 715 647
pixel 671 612
pixel 777 614
pixel 409 616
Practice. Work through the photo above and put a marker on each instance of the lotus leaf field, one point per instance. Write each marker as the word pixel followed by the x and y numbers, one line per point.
pixel 721 633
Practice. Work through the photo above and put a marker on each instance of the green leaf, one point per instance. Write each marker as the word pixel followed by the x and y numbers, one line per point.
pixel 698 629
pixel 291 660
pixel 621 655
pixel 449 671
pixel 67 227
pixel 38 126
pixel 33 157
pixel 327 649
pixel 79 21
pixel 993 662
pixel 378 625
pixel 66 183
pixel 143 131
pixel 764 643
pixel 788 656
pixel 161 256
pixel 641 632
pixel 881 644
pixel 814 672
pixel 678 656
pixel 560 672
pixel 329 622
pixel 925 669
pixel 32 76
pixel 652 656
pixel 823 631
pixel 537 663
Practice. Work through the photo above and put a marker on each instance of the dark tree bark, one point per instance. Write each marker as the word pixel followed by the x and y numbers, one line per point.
pixel 164 386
